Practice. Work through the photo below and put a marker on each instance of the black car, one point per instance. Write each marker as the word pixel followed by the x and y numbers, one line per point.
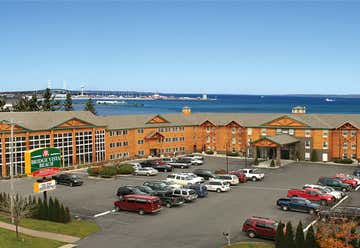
pixel 129 190
pixel 157 186
pixel 206 174
pixel 356 173
pixel 157 164
pixel 169 200
pixel 146 189
pixel 68 179
pixel 334 183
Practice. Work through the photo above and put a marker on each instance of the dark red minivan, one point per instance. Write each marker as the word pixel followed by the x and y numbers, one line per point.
pixel 139 203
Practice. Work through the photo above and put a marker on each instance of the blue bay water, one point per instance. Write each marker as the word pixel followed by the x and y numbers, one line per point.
pixel 233 104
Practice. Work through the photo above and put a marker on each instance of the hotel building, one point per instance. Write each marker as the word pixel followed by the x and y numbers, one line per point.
pixel 84 138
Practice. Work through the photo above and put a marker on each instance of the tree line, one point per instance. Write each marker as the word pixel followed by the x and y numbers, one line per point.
pixel 48 103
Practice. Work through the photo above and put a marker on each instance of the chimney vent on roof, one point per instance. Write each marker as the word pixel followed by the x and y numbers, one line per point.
pixel 299 110
pixel 186 110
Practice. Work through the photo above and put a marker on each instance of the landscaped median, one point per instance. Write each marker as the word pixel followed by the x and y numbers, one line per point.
pixel 250 245
pixel 111 171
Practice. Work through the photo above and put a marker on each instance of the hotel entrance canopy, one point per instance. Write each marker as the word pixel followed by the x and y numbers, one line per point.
pixel 275 141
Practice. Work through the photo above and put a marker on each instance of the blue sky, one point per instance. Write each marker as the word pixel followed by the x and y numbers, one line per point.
pixel 189 47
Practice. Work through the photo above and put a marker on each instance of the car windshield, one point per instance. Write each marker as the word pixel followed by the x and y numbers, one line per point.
pixel 74 177
pixel 307 201
pixel 321 191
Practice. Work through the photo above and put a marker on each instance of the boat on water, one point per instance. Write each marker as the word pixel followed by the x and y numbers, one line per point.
pixel 111 102
pixel 329 100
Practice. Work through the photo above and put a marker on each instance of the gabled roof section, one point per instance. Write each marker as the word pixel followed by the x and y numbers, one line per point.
pixel 154 135
pixel 233 123
pixel 274 141
pixel 347 125
pixel 74 122
pixel 5 126
pixel 157 119
pixel 285 121
pixel 207 122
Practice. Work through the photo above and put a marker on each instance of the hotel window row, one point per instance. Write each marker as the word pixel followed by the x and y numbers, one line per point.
pixel 100 145
pixel 39 141
pixel 175 149
pixel 171 129
pixel 174 139
pixel 284 131
pixel 119 155
pixel 346 133
pixel 118 133
pixel 64 141
pixel 119 144
pixel 84 147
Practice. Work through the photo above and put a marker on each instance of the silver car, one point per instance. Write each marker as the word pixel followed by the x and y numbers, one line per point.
pixel 147 171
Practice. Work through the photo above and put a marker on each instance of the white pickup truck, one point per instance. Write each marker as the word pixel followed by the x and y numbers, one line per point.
pixel 253 174
pixel 182 179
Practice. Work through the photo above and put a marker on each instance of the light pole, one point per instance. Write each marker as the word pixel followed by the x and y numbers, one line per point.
pixel 227 159
pixel 12 171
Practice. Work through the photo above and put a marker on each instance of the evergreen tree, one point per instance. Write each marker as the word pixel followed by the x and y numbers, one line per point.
pixel 49 103
pixel 51 210
pixel 310 240
pixel 299 236
pixel 289 236
pixel 62 213
pixel 280 238
pixel 68 105
pixel 67 215
pixel 89 106
pixel 57 216
pixel 33 103
pixel 2 104
pixel 45 210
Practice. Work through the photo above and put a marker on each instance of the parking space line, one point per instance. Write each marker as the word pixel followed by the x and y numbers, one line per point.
pixel 357 188
pixel 261 188
pixel 102 214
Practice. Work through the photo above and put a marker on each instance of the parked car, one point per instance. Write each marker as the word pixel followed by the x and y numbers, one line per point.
pixel 194 156
pixel 297 204
pixel 128 190
pixel 169 200
pixel 182 179
pixel 172 185
pixel 188 194
pixel 347 179
pixel 196 177
pixel 326 189
pixel 218 186
pixel 157 185
pixel 68 179
pixel 157 164
pixel 200 189
pixel 240 175
pixel 312 195
pixel 193 160
pixel 341 214
pixel 181 163
pixel 206 174
pixel 334 183
pixel 260 227
pixel 139 203
pixel 146 189
pixel 135 165
pixel 231 179
pixel 253 174
pixel 168 159
pixel 356 173
pixel 146 171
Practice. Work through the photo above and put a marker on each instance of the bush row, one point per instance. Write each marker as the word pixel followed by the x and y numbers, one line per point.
pixel 343 161
pixel 110 171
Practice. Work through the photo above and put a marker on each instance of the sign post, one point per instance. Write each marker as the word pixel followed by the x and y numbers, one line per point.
pixel 43 162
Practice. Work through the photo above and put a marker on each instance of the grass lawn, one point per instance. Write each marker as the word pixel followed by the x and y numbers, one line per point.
pixel 250 245
pixel 76 228
pixel 8 240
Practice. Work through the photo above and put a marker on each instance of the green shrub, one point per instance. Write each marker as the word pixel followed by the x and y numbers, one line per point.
pixel 209 152
pixel 272 164
pixel 256 161
pixel 94 171
pixel 232 154
pixel 314 156
pixel 107 172
pixel 125 169
pixel 343 161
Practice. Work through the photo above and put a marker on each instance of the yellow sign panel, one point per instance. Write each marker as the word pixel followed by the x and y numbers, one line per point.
pixel 45 186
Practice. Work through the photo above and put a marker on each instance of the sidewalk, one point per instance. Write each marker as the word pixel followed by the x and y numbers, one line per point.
pixel 40 234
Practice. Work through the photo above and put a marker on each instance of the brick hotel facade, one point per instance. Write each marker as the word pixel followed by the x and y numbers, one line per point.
pixel 85 138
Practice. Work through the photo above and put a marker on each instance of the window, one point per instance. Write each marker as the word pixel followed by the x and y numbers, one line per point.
pixel 84 147
pixel 233 141
pixel 64 141
pixel 325 133
pixel 307 155
pixel 353 146
pixel 291 131
pixel 345 133
pixel 208 129
pixel 140 142
pixel 182 138
pixel 307 133
pixel 208 139
pixel 345 145
pixel 39 141
pixel 249 131
pixel 125 132
pixel 161 129
pixel 233 130
pixel 353 156
pixel 278 131
pixel 19 147
pixel 141 153
pixel 345 155
pixel 353 133
pixel 118 132
pixel 325 145
pixel 307 144
pixel 100 145
pixel 263 131
pixel 125 143
pixel 140 130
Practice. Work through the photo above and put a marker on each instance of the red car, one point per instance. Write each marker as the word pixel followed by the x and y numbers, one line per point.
pixel 346 179
pixel 240 175
pixel 312 195
pixel 260 227
pixel 139 203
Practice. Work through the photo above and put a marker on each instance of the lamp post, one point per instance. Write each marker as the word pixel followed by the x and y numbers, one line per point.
pixel 227 159
pixel 12 170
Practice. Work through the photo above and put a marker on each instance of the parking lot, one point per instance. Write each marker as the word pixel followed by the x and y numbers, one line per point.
pixel 197 224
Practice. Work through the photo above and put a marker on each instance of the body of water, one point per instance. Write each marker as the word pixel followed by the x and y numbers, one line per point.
pixel 233 104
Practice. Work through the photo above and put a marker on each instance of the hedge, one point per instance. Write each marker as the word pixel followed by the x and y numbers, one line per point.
pixel 210 152
pixel 125 169
pixel 343 161
pixel 108 171
pixel 232 154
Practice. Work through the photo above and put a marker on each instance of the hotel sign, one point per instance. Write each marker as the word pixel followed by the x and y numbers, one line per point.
pixel 42 162
pixel 44 186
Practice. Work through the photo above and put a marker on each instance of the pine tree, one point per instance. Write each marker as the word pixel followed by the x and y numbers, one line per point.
pixel 62 212
pixel 280 238
pixel 45 210
pixel 51 210
pixel 299 236
pixel 310 240
pixel 33 103
pixel 89 106
pixel 67 215
pixel 57 216
pixel 289 236
pixel 49 103
pixel 68 105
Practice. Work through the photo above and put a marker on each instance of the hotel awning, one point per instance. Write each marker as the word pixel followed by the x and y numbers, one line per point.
pixel 274 141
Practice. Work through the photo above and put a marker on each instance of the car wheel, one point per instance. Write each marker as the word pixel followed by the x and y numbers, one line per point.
pixel 71 184
pixel 147 174
pixel 311 211
pixel 141 212
pixel 218 190
pixel 323 202
pixel 135 174
pixel 117 209
pixel 168 205
pixel 285 208
pixel 344 190
pixel 182 167
pixel 251 234
pixel 253 179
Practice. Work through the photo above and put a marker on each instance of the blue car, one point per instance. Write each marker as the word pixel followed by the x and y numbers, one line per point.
pixel 357 173
pixel 199 188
